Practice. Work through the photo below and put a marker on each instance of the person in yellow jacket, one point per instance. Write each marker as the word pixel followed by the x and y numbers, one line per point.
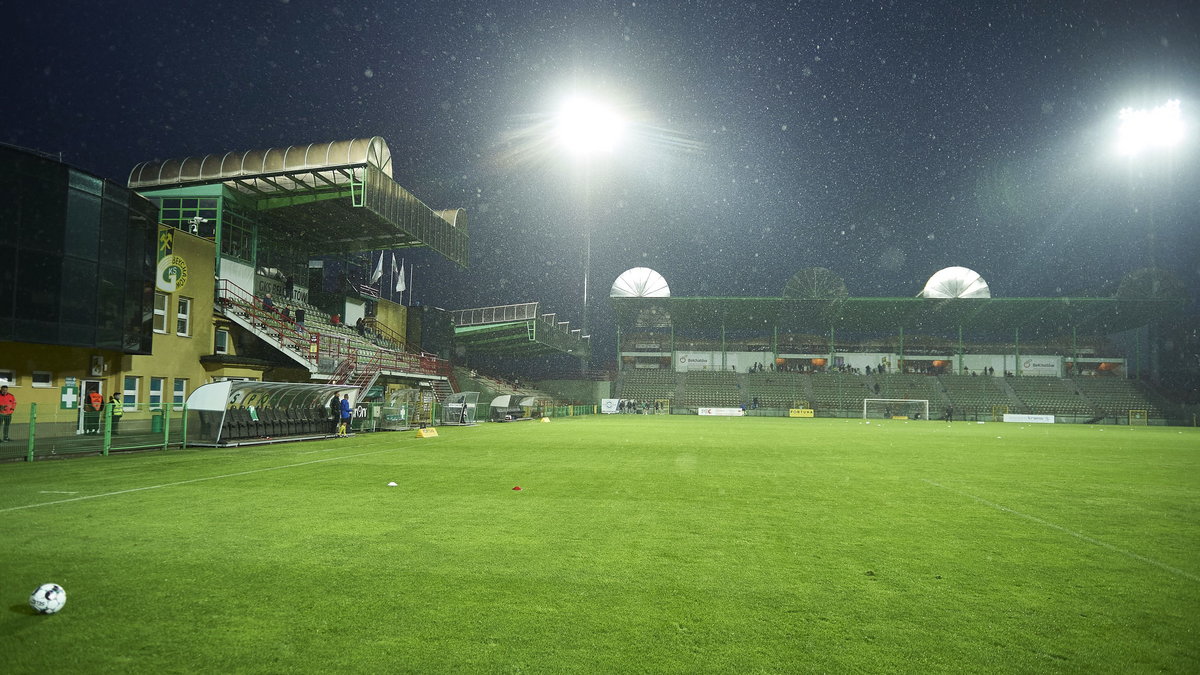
pixel 118 409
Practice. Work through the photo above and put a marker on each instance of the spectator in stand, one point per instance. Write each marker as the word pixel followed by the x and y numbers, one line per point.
pixel 8 406
pixel 268 303
pixel 361 327
pixel 300 319
pixel 288 287
pixel 335 320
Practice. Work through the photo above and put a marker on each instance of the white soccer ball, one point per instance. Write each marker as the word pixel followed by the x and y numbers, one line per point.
pixel 48 599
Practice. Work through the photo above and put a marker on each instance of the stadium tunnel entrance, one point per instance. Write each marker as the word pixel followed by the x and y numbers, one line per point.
pixel 245 412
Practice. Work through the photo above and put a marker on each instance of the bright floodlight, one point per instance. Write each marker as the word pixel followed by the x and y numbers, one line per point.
pixel 1161 127
pixel 587 127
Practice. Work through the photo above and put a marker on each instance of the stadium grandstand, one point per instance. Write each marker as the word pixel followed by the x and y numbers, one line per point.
pixel 815 348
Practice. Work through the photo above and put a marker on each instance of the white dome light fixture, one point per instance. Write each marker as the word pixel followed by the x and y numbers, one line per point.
pixel 640 282
pixel 956 282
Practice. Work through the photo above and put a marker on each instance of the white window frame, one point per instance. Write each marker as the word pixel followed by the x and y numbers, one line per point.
pixel 160 313
pixel 178 396
pixel 221 341
pixel 130 396
pixel 46 376
pixel 183 316
pixel 156 393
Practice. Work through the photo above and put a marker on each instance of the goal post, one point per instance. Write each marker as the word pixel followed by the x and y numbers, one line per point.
pixel 887 408
pixel 1139 418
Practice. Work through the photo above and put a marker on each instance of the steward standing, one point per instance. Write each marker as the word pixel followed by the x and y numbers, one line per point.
pixel 91 414
pixel 118 409
pixel 8 406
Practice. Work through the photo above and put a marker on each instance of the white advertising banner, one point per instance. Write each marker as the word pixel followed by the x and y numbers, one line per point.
pixel 1030 419
pixel 725 412
pixel 693 361
pixel 1046 366
pixel 685 361
pixel 610 406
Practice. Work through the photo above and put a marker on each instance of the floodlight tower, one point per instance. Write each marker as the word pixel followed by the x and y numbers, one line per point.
pixel 588 129
pixel 1142 134
pixel 1145 137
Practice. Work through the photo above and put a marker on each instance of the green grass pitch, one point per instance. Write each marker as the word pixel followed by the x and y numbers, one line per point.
pixel 637 544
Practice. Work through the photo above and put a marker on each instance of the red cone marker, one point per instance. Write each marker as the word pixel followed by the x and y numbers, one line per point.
pixel 517 488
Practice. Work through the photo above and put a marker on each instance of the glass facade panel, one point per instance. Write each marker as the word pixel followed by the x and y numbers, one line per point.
pixel 77 324
pixel 179 394
pixel 51 289
pixel 83 233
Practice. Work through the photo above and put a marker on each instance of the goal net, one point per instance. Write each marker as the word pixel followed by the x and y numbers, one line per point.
pixel 903 408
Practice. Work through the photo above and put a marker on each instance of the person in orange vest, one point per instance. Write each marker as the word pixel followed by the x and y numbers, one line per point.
pixel 8 406
pixel 91 413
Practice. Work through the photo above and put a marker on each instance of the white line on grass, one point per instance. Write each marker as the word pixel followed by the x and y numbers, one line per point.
pixel 1078 535
pixel 192 480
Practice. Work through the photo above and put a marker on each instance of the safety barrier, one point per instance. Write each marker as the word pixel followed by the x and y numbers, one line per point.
pixel 43 433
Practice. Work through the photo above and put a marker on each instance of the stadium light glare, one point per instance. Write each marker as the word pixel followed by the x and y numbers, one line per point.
pixel 586 127
pixel 1142 130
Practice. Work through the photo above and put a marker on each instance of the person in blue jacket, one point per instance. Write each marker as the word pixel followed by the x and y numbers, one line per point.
pixel 344 427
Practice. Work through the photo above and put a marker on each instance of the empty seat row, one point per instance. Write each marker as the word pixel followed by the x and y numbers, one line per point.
pixel 240 424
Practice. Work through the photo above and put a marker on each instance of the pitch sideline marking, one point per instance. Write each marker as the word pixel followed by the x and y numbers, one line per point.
pixel 1078 535
pixel 191 480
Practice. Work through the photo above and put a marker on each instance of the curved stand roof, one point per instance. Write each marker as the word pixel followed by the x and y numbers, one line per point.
pixel 221 167
pixel 336 197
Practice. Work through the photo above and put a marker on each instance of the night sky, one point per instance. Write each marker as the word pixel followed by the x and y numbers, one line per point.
pixel 881 140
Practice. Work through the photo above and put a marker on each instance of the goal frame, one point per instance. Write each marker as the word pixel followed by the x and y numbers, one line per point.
pixel 868 401
pixel 1139 418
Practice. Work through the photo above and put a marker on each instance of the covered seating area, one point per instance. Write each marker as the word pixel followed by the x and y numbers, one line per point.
pixel 233 413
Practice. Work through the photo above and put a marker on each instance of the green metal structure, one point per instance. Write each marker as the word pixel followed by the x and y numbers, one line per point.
pixel 318 199
pixel 517 330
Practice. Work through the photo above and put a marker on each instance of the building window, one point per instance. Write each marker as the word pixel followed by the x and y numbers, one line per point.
pixel 8 377
pixel 160 313
pixel 129 394
pixel 222 341
pixel 43 379
pixel 156 391
pixel 183 316
pixel 180 392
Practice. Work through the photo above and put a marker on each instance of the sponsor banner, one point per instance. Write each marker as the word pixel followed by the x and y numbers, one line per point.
pixel 723 412
pixel 800 412
pixel 609 406
pixel 647 345
pixel 685 361
pixel 1048 366
pixel 1030 419
pixel 689 361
